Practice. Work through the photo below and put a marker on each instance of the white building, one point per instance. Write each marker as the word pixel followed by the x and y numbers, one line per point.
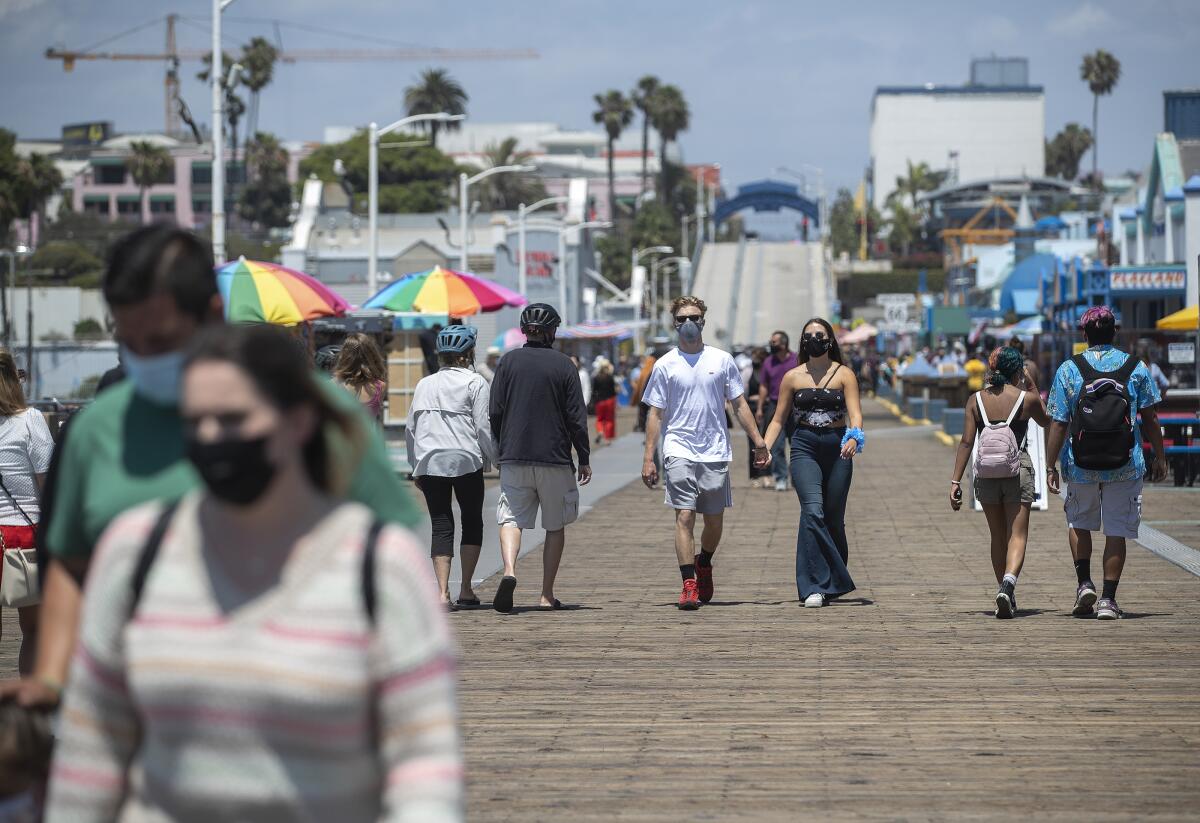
pixel 994 126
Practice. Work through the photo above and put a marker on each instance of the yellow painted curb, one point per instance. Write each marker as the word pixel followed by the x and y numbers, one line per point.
pixel 906 420
pixel 945 438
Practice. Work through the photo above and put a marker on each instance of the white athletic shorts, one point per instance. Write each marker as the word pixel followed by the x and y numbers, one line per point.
pixel 703 488
pixel 526 488
pixel 1118 504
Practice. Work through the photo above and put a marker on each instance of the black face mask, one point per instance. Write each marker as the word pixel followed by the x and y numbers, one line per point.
pixel 234 471
pixel 816 346
pixel 775 348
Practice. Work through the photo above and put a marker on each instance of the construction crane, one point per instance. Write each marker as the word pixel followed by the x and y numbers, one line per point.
pixel 172 55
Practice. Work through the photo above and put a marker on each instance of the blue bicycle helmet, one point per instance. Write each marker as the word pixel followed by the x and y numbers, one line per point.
pixel 456 339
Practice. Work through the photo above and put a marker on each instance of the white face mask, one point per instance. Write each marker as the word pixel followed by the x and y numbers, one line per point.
pixel 158 378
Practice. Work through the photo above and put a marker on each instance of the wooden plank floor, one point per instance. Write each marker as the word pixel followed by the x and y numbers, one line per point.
pixel 907 701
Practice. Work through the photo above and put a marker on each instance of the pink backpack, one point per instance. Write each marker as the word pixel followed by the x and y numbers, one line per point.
pixel 997 453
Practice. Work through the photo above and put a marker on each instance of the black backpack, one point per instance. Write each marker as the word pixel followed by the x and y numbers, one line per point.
pixel 1102 425
pixel 150 551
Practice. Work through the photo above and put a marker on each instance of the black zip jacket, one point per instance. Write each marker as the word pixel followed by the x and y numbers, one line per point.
pixel 537 408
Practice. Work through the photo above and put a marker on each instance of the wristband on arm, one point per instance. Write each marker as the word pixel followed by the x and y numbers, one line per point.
pixel 855 434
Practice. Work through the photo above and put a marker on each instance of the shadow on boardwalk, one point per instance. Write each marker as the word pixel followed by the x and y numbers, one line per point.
pixel 905 701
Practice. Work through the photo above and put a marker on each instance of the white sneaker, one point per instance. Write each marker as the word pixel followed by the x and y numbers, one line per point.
pixel 780 485
pixel 814 601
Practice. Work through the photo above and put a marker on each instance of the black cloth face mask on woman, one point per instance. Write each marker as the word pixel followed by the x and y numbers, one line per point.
pixel 234 471
pixel 815 346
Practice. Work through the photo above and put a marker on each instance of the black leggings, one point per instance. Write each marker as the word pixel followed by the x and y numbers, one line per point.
pixel 468 488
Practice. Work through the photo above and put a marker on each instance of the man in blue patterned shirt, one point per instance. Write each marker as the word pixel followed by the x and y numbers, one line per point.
pixel 1108 500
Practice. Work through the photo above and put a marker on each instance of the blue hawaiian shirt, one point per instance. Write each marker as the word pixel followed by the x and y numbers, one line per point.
pixel 1068 384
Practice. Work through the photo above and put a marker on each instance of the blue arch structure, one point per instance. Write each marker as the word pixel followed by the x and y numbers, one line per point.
pixel 767 195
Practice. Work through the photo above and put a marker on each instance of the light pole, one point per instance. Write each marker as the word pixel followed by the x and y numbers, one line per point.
pixel 218 135
pixel 656 311
pixel 465 183
pixel 524 211
pixel 562 259
pixel 638 254
pixel 373 135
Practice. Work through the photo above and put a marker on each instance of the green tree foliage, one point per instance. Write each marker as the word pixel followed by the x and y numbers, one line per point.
pixel 642 97
pixel 92 233
pixel 505 192
pixel 258 69
pixel 235 107
pixel 920 179
pixel 64 260
pixel 148 165
pixel 1101 71
pixel 614 112
pixel 436 91
pixel 89 329
pixel 26 183
pixel 903 228
pixel 266 199
pixel 669 114
pixel 411 179
pixel 1064 152
pixel 845 224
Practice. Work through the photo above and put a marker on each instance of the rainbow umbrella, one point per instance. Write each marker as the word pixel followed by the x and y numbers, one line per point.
pixel 442 291
pixel 509 340
pixel 257 292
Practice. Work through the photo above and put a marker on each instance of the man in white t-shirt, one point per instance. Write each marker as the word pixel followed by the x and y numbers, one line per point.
pixel 687 392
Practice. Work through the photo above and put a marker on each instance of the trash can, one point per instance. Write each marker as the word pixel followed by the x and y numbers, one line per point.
pixel 953 421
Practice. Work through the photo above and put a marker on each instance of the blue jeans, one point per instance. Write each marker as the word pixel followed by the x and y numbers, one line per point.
pixel 822 482
pixel 779 459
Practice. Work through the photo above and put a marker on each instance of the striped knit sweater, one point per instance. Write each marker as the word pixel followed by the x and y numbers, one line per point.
pixel 286 705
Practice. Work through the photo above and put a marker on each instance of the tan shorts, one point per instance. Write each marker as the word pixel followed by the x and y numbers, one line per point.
pixel 1020 489
pixel 525 488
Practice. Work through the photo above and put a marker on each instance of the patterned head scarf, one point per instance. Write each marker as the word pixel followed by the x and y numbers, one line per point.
pixel 1004 363
pixel 1097 316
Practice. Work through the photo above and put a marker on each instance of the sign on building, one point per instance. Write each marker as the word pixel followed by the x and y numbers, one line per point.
pixel 1181 353
pixel 79 135
pixel 1148 280
pixel 900 313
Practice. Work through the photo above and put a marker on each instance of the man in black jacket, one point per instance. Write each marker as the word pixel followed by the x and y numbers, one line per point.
pixel 537 415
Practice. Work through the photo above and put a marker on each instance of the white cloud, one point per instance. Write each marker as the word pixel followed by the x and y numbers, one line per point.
pixel 1085 19
pixel 8 7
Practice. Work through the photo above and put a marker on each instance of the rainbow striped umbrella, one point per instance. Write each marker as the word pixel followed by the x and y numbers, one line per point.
pixel 442 291
pixel 257 292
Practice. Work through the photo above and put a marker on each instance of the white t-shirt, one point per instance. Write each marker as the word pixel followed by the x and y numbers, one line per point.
pixel 25 449
pixel 691 389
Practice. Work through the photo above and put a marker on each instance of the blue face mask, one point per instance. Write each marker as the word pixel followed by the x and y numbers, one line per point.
pixel 690 331
pixel 158 378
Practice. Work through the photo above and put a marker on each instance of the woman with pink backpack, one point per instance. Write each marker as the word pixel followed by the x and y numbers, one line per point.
pixel 998 417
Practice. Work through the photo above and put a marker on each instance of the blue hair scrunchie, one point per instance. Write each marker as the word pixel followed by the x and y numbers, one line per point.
pixel 855 434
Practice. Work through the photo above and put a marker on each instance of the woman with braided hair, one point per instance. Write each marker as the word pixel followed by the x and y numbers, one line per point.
pixel 1004 484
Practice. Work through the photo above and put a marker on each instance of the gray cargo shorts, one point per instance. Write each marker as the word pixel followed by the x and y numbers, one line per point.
pixel 698 487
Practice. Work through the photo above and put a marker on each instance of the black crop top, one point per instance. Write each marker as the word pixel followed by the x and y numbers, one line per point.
pixel 819 406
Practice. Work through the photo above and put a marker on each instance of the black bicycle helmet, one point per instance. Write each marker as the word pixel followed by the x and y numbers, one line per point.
pixel 327 357
pixel 456 339
pixel 540 317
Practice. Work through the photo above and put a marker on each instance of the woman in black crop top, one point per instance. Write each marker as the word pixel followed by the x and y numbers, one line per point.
pixel 817 400
pixel 1006 501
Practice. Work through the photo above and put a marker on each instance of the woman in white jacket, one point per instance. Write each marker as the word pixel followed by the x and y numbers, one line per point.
pixel 450 446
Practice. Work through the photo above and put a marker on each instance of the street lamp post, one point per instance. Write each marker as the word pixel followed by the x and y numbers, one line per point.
pixel 524 211
pixel 661 263
pixel 373 135
pixel 562 260
pixel 464 183
pixel 218 135
pixel 638 254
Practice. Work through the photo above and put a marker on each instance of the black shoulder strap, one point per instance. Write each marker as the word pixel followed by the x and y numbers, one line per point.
pixel 827 380
pixel 368 569
pixel 149 552
pixel 1086 370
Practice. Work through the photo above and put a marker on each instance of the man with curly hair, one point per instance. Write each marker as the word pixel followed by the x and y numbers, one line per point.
pixel 687 393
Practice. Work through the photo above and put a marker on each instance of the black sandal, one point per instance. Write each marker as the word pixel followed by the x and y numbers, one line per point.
pixel 503 602
pixel 468 603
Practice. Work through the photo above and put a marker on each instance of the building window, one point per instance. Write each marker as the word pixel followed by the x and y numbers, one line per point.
pixel 129 207
pixel 96 205
pixel 162 204
pixel 201 205
pixel 201 174
pixel 109 175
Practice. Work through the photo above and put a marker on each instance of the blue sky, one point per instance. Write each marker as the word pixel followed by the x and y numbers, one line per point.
pixel 769 83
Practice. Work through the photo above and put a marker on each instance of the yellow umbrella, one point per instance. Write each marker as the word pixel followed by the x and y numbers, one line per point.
pixel 1183 320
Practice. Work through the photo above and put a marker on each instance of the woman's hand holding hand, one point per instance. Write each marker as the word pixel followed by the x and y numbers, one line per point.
pixel 849 449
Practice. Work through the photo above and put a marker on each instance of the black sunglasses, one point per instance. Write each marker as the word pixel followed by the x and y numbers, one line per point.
pixel 810 336
pixel 683 318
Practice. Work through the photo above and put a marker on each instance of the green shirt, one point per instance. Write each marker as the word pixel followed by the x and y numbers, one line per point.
pixel 123 451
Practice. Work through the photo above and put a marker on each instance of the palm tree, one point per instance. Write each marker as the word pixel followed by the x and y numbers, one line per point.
pixel 1100 71
pixel 615 113
pixel 669 116
pixel 643 98
pixel 919 179
pixel 505 192
pixel 434 92
pixel 258 69
pixel 235 107
pixel 37 178
pixel 1064 152
pixel 148 165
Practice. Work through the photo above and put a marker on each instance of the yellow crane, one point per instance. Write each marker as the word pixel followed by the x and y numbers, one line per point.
pixel 172 55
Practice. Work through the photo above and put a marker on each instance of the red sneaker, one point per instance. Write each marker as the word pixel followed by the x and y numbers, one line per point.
pixel 704 581
pixel 689 598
